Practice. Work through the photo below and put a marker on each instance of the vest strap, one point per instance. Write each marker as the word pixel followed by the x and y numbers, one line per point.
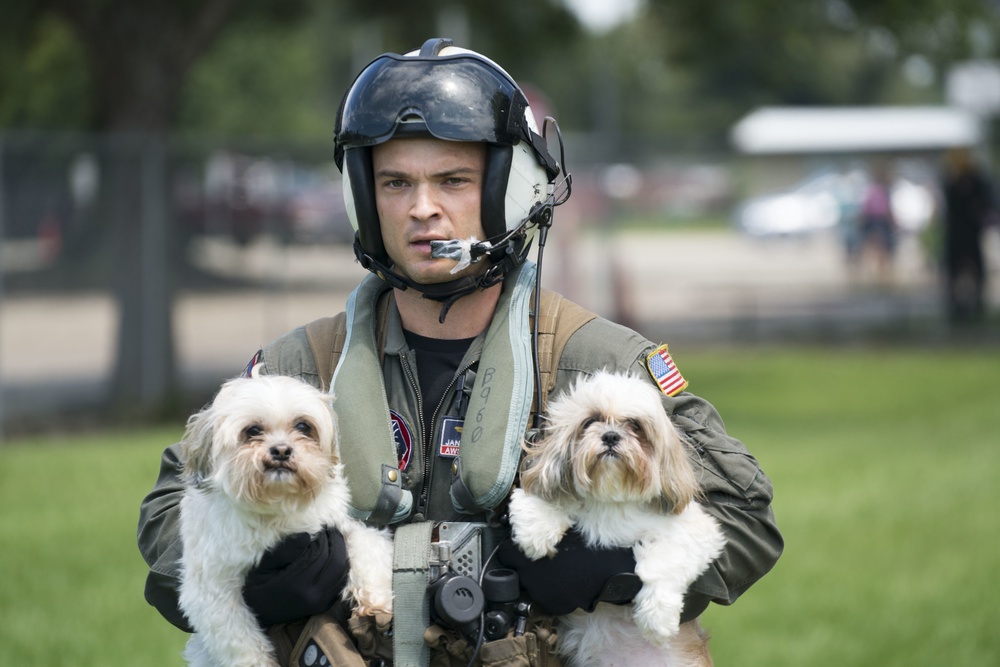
pixel 410 578
pixel 500 405
pixel 368 448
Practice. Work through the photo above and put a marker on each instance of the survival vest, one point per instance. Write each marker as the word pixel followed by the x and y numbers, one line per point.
pixel 558 319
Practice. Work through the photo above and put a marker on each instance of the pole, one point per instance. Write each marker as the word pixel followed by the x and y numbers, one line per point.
pixel 2 210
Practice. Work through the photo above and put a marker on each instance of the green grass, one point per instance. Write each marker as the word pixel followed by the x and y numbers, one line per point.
pixel 72 574
pixel 885 467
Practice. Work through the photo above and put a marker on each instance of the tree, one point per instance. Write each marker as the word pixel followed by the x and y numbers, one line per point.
pixel 817 51
pixel 139 54
pixel 137 57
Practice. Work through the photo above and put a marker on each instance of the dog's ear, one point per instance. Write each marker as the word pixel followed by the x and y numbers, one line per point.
pixel 545 468
pixel 196 447
pixel 679 486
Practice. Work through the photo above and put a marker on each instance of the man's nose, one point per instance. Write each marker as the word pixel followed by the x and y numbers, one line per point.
pixel 425 203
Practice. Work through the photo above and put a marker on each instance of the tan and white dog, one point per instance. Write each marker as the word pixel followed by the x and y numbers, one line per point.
pixel 611 464
pixel 261 463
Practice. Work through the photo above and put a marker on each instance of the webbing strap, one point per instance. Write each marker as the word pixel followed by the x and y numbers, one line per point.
pixel 558 320
pixel 410 577
pixel 326 338
pixel 328 335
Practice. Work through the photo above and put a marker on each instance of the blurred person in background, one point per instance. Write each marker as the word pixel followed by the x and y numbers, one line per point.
pixel 878 226
pixel 969 206
pixel 849 191
pixel 448 181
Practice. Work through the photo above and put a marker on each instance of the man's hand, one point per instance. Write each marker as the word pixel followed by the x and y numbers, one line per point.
pixel 297 578
pixel 577 577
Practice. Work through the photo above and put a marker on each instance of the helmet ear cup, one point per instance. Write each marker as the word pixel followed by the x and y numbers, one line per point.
pixel 495 175
pixel 359 185
pixel 526 185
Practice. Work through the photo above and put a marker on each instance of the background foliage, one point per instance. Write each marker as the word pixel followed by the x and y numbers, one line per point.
pixel 263 67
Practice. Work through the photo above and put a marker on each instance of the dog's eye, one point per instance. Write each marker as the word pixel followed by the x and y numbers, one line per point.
pixel 634 425
pixel 590 422
pixel 305 428
pixel 253 431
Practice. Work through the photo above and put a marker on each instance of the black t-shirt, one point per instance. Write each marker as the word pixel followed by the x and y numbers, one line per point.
pixel 437 361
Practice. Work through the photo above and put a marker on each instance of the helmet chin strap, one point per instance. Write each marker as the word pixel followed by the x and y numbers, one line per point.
pixel 447 293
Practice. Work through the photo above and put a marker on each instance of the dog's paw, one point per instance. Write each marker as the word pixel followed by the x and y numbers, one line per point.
pixel 369 581
pixel 373 606
pixel 533 540
pixel 658 632
pixel 536 526
pixel 368 598
pixel 658 616
pixel 536 546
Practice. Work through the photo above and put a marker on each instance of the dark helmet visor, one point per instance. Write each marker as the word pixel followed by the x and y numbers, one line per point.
pixel 460 98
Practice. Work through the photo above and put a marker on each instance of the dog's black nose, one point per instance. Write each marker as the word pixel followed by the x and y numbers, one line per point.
pixel 281 452
pixel 610 439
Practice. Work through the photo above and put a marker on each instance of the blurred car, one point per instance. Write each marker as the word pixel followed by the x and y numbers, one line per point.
pixel 234 195
pixel 831 199
pixel 315 212
pixel 244 197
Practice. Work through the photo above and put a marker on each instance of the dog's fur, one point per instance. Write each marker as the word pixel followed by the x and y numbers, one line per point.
pixel 611 463
pixel 261 463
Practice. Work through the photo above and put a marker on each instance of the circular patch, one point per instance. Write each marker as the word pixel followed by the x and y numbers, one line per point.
pixel 404 440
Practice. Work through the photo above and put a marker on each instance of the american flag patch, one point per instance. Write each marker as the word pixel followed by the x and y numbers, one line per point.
pixel 664 371
pixel 248 371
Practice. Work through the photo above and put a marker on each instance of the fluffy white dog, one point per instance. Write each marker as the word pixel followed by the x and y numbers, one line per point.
pixel 612 464
pixel 262 463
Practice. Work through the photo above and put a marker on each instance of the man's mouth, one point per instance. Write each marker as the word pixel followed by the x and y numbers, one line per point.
pixel 425 243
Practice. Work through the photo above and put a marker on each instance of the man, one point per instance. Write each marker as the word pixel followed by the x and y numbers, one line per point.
pixel 448 182
pixel 969 207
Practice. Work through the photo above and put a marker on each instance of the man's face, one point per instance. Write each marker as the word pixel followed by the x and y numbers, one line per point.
pixel 427 190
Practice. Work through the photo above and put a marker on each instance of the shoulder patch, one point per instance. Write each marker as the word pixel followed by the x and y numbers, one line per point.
pixel 663 369
pixel 248 372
